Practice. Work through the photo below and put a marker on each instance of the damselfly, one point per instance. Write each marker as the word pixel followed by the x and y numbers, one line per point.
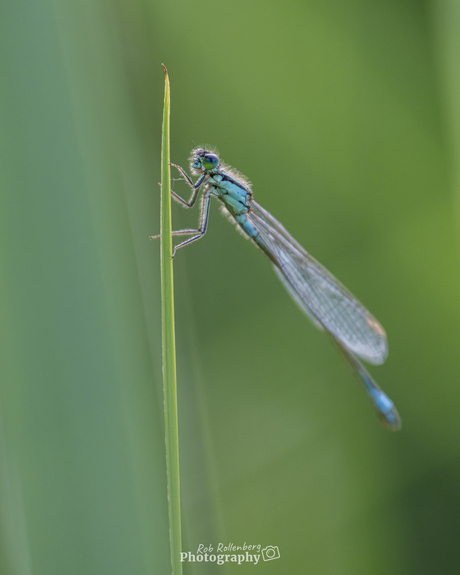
pixel 330 306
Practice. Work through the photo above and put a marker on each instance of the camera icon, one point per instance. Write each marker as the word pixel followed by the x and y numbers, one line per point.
pixel 270 552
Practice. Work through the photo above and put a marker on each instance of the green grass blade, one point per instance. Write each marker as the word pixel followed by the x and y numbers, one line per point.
pixel 169 351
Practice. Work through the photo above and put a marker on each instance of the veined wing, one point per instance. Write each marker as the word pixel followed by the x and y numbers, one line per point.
pixel 321 296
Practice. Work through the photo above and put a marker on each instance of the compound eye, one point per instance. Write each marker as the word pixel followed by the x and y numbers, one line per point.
pixel 210 161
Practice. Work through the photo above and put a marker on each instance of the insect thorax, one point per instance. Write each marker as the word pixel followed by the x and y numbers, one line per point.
pixel 233 193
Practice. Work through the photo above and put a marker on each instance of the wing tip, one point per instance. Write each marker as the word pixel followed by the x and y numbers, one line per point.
pixel 377 357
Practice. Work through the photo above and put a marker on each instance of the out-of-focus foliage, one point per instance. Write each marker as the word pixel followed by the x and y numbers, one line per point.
pixel 345 117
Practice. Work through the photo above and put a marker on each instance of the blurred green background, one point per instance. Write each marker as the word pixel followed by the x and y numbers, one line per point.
pixel 346 118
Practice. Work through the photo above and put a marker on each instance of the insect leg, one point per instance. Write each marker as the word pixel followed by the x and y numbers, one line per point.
pixel 195 187
pixel 189 204
pixel 205 203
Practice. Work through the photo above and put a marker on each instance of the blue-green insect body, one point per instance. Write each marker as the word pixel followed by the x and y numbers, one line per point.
pixel 330 306
pixel 233 194
pixel 236 197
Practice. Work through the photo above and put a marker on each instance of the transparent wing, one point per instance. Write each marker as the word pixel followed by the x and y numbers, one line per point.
pixel 321 296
